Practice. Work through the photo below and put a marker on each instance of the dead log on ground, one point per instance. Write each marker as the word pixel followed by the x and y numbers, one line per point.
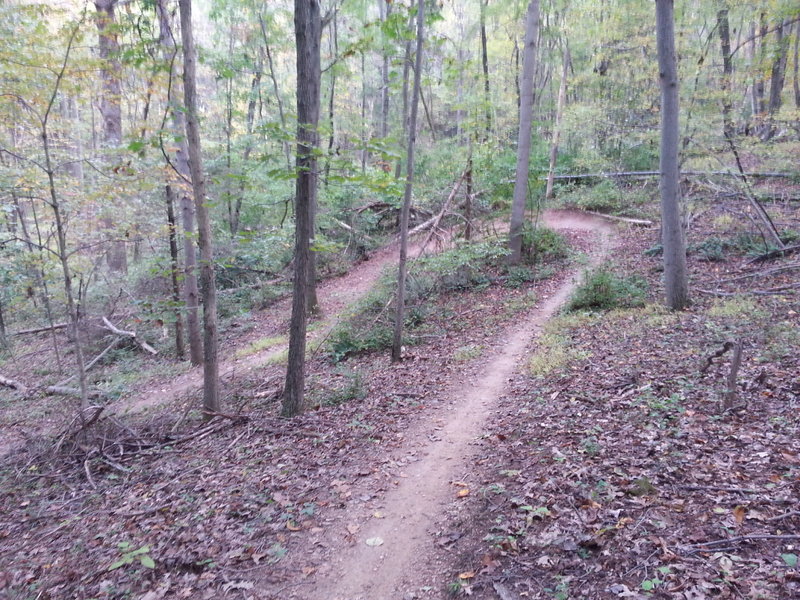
pixel 14 385
pixel 638 222
pixel 53 327
pixel 130 335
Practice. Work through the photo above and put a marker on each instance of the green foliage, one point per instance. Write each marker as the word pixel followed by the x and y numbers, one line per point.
pixel 128 557
pixel 542 243
pixel 603 197
pixel 604 290
pixel 347 386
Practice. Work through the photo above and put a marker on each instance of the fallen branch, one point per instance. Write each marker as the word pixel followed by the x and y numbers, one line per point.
pixel 741 538
pixel 624 174
pixel 785 251
pixel 131 335
pixel 60 390
pixel 14 385
pixel 41 329
pixel 736 362
pixel 436 219
pixel 710 359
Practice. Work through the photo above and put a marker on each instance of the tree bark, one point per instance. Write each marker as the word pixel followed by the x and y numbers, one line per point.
pixel 487 97
pixel 727 70
pixel 308 29
pixel 286 150
pixel 191 290
pixel 111 111
pixel 174 268
pixel 211 403
pixel 777 79
pixel 397 342
pixel 385 9
pixel 796 82
pixel 524 140
pixel 404 117
pixel 675 274
pixel 562 95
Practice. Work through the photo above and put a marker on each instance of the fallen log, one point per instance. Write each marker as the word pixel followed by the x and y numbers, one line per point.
pixel 60 390
pixel 625 174
pixel 130 335
pixel 53 327
pixel 14 385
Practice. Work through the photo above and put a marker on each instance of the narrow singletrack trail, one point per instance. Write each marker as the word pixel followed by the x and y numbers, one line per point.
pixel 391 570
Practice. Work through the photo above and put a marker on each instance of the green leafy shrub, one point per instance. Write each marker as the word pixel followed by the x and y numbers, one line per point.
pixel 542 243
pixel 603 197
pixel 603 290
pixel 711 249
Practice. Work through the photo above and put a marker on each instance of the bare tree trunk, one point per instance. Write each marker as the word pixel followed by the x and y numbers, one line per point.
pixel 286 150
pixel 385 9
pixel 248 148
pixel 397 342
pixel 111 110
pixel 524 141
pixel 363 113
pixel 796 82
pixel 727 70
pixel 468 198
pixel 308 29
pixel 675 274
pixel 404 117
pixel 562 96
pixel 174 268
pixel 61 235
pixel 334 49
pixel 777 79
pixel 487 97
pixel 211 402
pixel 191 290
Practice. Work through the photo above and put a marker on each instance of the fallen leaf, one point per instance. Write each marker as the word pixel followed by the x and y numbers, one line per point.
pixel 353 528
pixel 466 575
pixel 375 541
pixel 739 512
pixel 237 585
pixel 463 493
pixel 292 526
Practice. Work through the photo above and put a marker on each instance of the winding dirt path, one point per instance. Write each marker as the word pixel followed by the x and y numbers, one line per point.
pixel 391 570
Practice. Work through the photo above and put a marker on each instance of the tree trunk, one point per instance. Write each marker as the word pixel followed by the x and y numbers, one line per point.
pixel 796 82
pixel 675 274
pixel 487 97
pixel 211 402
pixel 385 9
pixel 524 140
pixel 191 290
pixel 397 342
pixel 468 198
pixel 111 111
pixel 61 234
pixel 286 150
pixel 777 79
pixel 308 29
pixel 404 117
pixel 562 96
pixel 334 48
pixel 248 148
pixel 727 70
pixel 174 269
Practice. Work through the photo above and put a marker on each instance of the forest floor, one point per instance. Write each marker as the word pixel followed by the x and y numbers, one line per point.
pixel 512 454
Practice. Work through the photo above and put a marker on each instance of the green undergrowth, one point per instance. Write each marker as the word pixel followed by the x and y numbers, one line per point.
pixel 605 290
pixel 469 266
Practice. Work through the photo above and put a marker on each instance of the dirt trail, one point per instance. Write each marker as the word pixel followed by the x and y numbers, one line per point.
pixel 335 296
pixel 387 571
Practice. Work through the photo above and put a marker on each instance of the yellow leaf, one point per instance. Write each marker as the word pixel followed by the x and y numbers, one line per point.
pixel 739 512
pixel 463 493
pixel 466 575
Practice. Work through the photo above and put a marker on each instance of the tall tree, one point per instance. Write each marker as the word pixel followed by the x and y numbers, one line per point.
pixel 308 28
pixel 524 140
pixel 562 95
pixel 210 365
pixel 672 234
pixel 485 63
pixel 111 110
pixel 397 342
pixel 191 289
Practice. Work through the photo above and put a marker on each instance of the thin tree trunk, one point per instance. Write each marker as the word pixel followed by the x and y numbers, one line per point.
pixel 211 403
pixel 61 235
pixel 308 30
pixel 675 274
pixel 228 186
pixel 363 113
pixel 385 9
pixel 191 290
pixel 334 49
pixel 796 83
pixel 404 117
pixel 397 342
pixel 524 141
pixel 468 198
pixel 777 79
pixel 248 148
pixel 727 70
pixel 428 117
pixel 562 96
pixel 286 150
pixel 487 97
pixel 180 349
